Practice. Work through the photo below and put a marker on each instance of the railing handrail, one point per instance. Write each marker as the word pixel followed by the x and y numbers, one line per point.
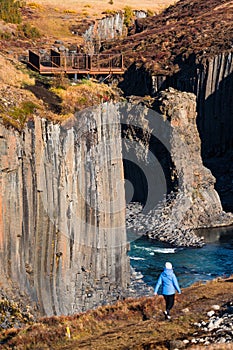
pixel 84 62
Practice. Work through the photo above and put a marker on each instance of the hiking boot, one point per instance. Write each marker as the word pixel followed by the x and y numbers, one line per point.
pixel 167 316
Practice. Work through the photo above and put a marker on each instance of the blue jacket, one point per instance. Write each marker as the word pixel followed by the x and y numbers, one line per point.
pixel 169 282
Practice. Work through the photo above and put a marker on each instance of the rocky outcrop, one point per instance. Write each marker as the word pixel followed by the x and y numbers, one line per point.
pixel 211 80
pixel 108 28
pixel 62 216
pixel 194 203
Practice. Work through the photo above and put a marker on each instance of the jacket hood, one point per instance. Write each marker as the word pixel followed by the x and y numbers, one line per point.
pixel 167 271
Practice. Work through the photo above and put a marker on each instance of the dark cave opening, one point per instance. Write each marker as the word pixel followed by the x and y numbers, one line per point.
pixel 151 177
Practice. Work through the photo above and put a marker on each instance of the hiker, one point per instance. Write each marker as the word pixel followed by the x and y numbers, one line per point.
pixel 169 286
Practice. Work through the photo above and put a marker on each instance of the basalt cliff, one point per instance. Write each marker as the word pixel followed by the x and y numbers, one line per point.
pixel 62 222
pixel 189 47
pixel 63 235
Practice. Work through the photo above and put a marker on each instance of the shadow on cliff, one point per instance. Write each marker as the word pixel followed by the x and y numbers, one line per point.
pixel 52 101
pixel 215 125
pixel 214 113
pixel 149 171
pixel 214 121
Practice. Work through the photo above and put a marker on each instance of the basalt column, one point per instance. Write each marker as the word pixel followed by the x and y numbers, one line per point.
pixel 62 211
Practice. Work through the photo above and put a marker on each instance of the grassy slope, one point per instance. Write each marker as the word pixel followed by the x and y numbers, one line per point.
pixel 22 96
pixel 126 325
pixel 96 7
pixel 201 27
pixel 54 17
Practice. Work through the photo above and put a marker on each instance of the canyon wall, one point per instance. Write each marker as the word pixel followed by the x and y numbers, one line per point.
pixel 190 202
pixel 62 206
pixel 62 212
pixel 108 28
pixel 211 80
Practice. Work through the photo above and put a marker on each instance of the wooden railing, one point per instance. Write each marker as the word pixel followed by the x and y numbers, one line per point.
pixel 76 63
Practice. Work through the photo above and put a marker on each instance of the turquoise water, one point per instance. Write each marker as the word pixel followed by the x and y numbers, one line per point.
pixel 190 265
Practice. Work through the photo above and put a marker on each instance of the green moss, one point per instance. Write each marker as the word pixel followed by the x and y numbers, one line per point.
pixel 10 11
pixel 128 16
pixel 19 115
pixel 28 31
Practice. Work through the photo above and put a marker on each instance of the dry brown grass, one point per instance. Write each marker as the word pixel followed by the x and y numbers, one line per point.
pixel 96 7
pixel 54 18
pixel 50 21
pixel 125 325
pixel 13 74
pixel 85 94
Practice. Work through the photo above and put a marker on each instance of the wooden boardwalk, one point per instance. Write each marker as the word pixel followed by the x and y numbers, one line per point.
pixel 76 64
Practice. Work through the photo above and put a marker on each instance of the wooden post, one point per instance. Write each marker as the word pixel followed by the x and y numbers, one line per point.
pixel 86 62
pixel 110 63
pixel 90 62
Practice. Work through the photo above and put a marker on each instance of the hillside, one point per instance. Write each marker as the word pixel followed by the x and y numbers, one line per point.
pixel 137 324
pixel 162 43
pixel 94 8
pixel 24 95
pixel 45 21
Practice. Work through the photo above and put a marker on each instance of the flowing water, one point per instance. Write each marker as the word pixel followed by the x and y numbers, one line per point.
pixel 190 264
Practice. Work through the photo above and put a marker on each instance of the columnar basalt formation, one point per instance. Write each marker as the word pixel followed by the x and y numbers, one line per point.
pixel 62 205
pixel 62 215
pixel 202 206
pixel 215 104
pixel 211 80
pixel 108 28
pixel 194 203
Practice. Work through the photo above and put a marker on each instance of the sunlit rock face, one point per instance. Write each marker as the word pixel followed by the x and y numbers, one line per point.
pixel 62 207
pixel 170 180
pixel 62 217
pixel 211 80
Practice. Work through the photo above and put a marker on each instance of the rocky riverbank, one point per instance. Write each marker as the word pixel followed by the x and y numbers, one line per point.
pixel 158 225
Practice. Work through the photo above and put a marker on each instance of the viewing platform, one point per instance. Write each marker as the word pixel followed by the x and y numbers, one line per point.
pixel 77 64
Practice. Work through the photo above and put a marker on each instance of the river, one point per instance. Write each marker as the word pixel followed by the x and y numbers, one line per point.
pixel 190 264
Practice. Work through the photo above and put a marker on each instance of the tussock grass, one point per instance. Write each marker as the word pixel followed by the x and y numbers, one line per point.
pixel 70 11
pixel 35 5
pixel 85 94
pixel 18 116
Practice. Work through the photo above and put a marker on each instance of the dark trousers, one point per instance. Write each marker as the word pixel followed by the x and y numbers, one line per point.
pixel 169 299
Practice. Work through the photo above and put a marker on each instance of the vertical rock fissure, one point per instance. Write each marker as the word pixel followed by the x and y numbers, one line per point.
pixel 63 234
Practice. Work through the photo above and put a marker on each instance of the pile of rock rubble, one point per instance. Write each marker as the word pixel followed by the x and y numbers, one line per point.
pixel 159 224
pixel 218 329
